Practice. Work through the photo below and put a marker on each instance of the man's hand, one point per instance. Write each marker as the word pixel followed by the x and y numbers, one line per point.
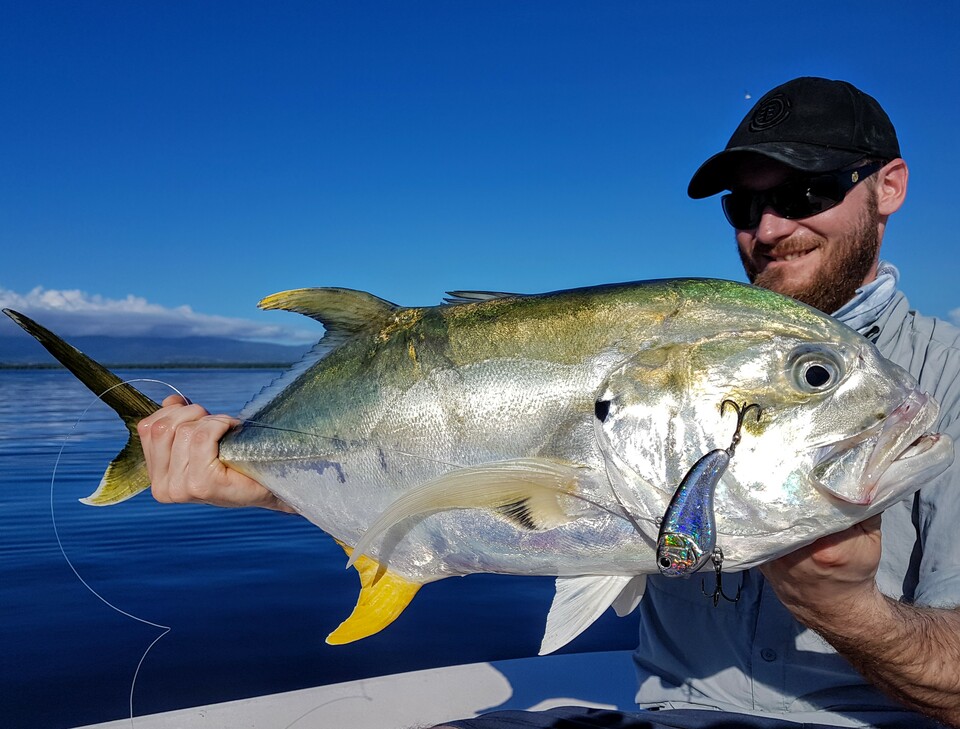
pixel 181 444
pixel 831 579
pixel 911 653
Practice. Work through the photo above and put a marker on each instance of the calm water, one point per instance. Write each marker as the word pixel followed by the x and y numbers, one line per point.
pixel 248 595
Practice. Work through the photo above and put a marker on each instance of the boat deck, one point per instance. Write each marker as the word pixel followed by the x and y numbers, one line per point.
pixel 420 698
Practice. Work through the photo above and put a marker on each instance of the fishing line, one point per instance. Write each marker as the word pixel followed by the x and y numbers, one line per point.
pixel 331 438
pixel 53 517
pixel 625 514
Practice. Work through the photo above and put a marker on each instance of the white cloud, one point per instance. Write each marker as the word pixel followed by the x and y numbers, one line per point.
pixel 77 313
pixel 955 317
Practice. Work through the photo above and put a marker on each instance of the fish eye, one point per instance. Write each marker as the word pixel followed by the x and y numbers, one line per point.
pixel 815 369
pixel 817 376
pixel 601 408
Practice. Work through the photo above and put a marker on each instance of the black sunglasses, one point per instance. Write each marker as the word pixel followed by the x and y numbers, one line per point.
pixel 794 199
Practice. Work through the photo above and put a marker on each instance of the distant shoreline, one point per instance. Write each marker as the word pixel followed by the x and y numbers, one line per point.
pixel 164 366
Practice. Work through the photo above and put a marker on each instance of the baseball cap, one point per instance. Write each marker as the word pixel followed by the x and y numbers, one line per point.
pixel 809 124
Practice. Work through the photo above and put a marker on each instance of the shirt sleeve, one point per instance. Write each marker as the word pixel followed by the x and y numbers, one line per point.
pixel 937 507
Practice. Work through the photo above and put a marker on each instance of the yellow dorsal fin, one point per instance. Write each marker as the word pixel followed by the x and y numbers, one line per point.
pixel 337 309
pixel 383 596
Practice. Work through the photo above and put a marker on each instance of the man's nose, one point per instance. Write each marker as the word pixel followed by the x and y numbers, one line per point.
pixel 773 227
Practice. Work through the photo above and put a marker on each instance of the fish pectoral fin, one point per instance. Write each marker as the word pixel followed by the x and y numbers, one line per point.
pixel 534 511
pixel 578 602
pixel 527 491
pixel 383 596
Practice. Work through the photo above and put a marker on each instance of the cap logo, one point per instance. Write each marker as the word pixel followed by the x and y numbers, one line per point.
pixel 770 113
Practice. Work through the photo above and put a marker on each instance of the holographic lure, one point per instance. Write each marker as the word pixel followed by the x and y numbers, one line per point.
pixel 688 531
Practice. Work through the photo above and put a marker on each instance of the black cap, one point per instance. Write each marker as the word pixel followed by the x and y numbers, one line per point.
pixel 809 124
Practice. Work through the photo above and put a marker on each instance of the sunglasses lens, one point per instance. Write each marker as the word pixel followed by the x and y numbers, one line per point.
pixel 741 209
pixel 823 193
pixel 796 199
pixel 792 200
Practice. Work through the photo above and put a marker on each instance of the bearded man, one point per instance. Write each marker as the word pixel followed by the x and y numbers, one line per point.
pixel 858 629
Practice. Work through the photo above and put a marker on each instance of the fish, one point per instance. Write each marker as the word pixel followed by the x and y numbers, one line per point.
pixel 548 434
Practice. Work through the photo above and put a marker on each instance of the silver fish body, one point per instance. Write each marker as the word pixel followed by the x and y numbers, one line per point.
pixel 468 438
pixel 547 434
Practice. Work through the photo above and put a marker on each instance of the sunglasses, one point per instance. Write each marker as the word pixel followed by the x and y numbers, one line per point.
pixel 794 199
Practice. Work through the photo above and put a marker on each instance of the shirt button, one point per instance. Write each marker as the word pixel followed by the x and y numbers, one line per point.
pixel 768 654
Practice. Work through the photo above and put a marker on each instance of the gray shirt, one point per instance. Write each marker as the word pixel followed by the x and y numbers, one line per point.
pixel 752 656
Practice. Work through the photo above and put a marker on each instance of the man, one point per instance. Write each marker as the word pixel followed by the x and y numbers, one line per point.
pixel 860 628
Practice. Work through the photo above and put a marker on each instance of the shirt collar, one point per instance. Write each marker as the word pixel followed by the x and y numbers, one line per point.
pixel 870 301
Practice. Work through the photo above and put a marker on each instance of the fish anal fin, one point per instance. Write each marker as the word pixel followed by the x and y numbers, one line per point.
pixel 578 602
pixel 383 596
pixel 531 492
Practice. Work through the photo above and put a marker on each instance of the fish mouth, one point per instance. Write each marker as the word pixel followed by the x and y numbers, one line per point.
pixel 880 462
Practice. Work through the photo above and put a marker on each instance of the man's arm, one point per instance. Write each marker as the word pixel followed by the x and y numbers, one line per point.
pixel 181 444
pixel 911 653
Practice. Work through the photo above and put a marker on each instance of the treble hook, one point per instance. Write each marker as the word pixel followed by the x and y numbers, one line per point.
pixel 717 559
pixel 741 411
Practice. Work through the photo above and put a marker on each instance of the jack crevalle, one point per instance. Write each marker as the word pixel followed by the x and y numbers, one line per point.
pixel 548 435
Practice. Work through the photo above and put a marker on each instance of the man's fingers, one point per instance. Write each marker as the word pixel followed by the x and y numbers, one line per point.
pixel 181 444
pixel 157 434
pixel 838 549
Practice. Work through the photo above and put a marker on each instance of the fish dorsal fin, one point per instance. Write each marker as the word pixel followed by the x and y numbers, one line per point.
pixel 472 297
pixel 527 491
pixel 337 309
pixel 321 349
pixel 343 313
pixel 578 602
pixel 383 596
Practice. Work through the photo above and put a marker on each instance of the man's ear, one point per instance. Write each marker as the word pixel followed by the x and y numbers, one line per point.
pixel 891 186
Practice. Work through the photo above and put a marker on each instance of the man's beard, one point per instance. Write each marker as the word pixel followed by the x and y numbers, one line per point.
pixel 842 272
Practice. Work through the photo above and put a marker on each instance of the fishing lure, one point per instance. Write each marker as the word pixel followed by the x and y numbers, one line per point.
pixel 688 530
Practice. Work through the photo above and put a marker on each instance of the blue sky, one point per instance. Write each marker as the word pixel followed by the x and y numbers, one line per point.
pixel 185 159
